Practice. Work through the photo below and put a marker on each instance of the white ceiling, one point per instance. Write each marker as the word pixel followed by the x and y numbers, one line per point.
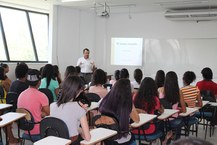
pixel 122 6
pixel 118 6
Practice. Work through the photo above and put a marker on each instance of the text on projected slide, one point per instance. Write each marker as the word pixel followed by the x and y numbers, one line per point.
pixel 126 51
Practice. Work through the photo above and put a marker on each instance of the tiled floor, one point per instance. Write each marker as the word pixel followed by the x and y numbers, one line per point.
pixel 201 134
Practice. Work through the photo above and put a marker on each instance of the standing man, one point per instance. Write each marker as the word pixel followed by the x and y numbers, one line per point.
pixel 87 65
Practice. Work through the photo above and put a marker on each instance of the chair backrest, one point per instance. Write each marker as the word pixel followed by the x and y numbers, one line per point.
pixel 11 98
pixel 207 95
pixel 108 122
pixel 51 126
pixel 48 93
pixel 93 97
pixel 107 85
pixel 166 104
pixel 26 123
pixel 2 93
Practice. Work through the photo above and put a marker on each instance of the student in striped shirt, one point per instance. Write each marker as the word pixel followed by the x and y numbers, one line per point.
pixel 191 94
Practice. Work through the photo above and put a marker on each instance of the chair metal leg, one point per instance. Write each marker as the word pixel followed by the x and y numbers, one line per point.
pixel 206 130
pixel 196 130
pixel 1 134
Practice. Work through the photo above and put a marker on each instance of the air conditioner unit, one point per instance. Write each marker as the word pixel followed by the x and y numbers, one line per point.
pixel 192 15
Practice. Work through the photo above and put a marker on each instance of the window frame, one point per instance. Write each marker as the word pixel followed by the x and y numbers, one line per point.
pixel 2 32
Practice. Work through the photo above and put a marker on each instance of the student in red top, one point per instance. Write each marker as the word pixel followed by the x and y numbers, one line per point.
pixel 207 83
pixel 147 100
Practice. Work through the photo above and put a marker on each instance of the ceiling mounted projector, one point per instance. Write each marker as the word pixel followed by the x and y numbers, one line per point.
pixel 102 12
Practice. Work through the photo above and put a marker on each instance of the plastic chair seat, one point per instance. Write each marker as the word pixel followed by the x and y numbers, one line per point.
pixel 93 97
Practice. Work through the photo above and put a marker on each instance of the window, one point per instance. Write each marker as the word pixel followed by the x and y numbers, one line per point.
pixel 2 50
pixel 26 35
pixel 40 31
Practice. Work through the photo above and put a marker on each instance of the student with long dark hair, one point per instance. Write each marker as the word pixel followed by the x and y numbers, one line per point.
pixel 98 80
pixel 6 70
pixel 173 97
pixel 147 100
pixel 57 74
pixel 159 80
pixel 118 103
pixel 116 76
pixel 124 74
pixel 70 71
pixel 4 80
pixel 48 80
pixel 71 112
pixel 138 78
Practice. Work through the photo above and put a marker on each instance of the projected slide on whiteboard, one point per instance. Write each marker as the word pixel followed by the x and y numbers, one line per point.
pixel 126 51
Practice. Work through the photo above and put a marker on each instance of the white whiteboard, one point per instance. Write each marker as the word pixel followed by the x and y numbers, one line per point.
pixel 181 55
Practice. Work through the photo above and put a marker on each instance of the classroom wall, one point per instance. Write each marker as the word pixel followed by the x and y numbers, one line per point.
pixel 153 26
pixel 74 29
pixel 77 29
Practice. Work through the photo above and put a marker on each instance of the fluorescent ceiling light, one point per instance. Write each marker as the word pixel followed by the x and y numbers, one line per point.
pixel 72 0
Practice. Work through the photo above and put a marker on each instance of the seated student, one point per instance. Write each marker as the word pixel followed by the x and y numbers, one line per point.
pixel 173 98
pixel 98 80
pixel 118 104
pixel 6 79
pixel 71 112
pixel 70 71
pixel 207 83
pixel 124 74
pixel 159 80
pixel 48 81
pixel 138 77
pixel 191 94
pixel 117 77
pixel 34 101
pixel 147 100
pixel 20 84
pixel 11 138
pixel 78 70
pixel 57 74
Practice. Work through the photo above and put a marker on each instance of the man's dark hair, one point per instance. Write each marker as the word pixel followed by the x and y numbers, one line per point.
pixel 86 50
pixel 21 70
pixel 207 73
